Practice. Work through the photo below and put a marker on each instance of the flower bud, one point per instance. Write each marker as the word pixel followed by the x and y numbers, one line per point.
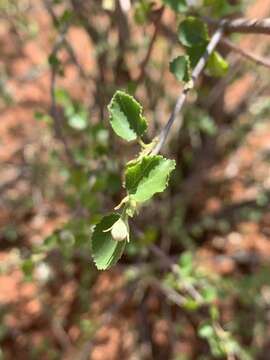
pixel 119 230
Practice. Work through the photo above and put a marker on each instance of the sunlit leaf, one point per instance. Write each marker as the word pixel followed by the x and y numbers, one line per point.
pixel 126 116
pixel 78 121
pixel 217 65
pixel 147 177
pixel 206 331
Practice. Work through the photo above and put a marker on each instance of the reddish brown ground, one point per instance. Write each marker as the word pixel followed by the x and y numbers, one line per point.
pixel 22 138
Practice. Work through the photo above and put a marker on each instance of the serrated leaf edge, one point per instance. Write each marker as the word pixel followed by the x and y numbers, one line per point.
pixel 204 25
pixel 187 58
pixel 132 99
pixel 91 247
pixel 172 167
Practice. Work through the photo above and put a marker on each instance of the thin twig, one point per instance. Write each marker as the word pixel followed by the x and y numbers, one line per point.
pixel 64 42
pixel 183 95
pixel 189 288
pixel 74 59
pixel 102 58
pixel 247 54
pixel 241 25
pixel 150 47
pixel 54 110
pixel 169 292
pixel 56 116
pixel 107 318
pixel 11 183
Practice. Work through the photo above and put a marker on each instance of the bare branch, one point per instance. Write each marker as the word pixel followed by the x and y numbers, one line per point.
pixel 74 59
pixel 169 292
pixel 107 318
pixel 54 110
pixel 58 121
pixel 9 184
pixel 151 46
pixel 189 288
pixel 242 25
pixel 247 54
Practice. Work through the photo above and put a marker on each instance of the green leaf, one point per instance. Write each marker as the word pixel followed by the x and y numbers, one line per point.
pixel 105 250
pixel 40 116
pixel 195 53
pixel 191 305
pixel 148 176
pixel 193 32
pixel 180 68
pixel 186 263
pixel 177 5
pixel 66 17
pixel 54 62
pixel 217 65
pixel 62 97
pixel 206 331
pixel 142 11
pixel 220 8
pixel 78 121
pixel 126 116
pixel 28 267
pixel 209 293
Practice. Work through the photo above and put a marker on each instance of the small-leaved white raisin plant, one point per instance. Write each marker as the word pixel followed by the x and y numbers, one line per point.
pixel 148 173
pixel 145 176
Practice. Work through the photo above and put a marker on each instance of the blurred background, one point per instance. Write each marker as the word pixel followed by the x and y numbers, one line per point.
pixel 194 280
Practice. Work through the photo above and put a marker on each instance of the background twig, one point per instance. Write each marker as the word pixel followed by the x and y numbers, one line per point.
pixel 241 25
pixel 247 54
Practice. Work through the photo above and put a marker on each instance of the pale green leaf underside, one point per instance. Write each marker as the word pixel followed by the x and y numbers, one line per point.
pixel 106 251
pixel 147 177
pixel 126 116
pixel 217 65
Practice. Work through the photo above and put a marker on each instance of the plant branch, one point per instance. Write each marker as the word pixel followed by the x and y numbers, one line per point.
pixel 58 121
pixel 54 110
pixel 9 184
pixel 74 59
pixel 107 318
pixel 150 47
pixel 189 288
pixel 183 95
pixel 241 25
pixel 247 54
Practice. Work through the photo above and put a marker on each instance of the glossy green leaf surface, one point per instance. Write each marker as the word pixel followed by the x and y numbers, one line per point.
pixel 147 177
pixel 126 116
